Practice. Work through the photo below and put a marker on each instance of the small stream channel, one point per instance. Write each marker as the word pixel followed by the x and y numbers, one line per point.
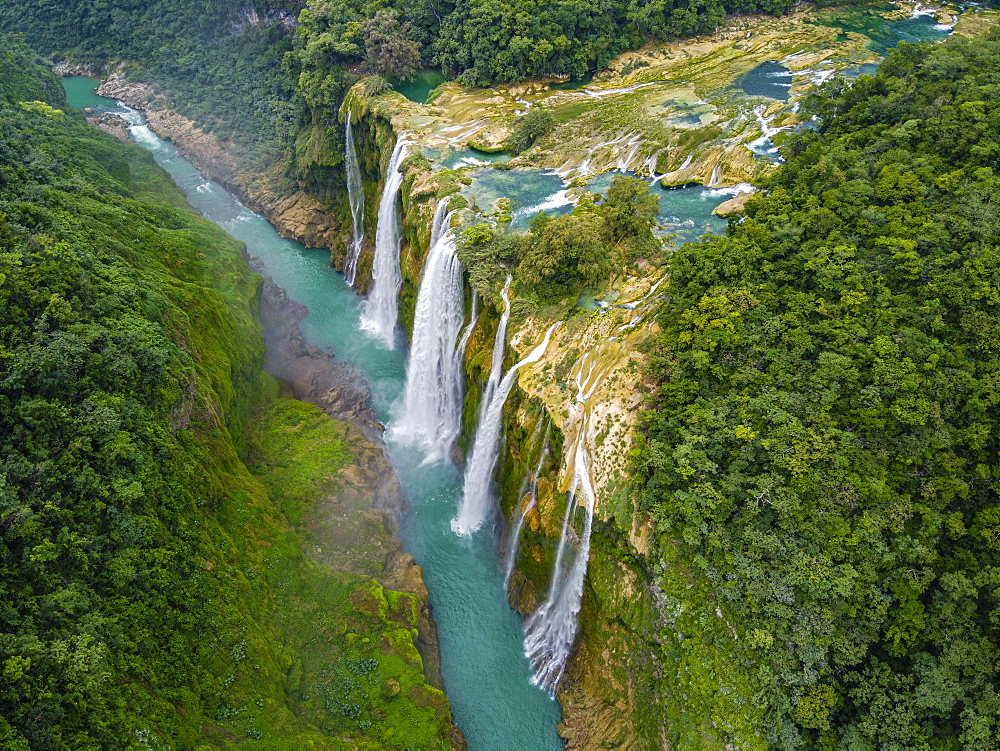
pixel 487 676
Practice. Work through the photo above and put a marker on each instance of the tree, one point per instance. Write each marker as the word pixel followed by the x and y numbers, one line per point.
pixel 564 253
pixel 536 123
pixel 629 208
pixel 388 51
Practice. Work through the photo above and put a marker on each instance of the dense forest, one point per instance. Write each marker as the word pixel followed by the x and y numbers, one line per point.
pixel 824 445
pixel 153 592
pixel 484 42
pixel 220 61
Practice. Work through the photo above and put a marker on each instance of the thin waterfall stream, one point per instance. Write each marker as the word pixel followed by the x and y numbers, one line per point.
pixel 551 629
pixel 356 198
pixel 526 502
pixel 486 675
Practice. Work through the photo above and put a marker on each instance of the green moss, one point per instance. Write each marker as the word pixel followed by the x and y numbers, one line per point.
pixel 484 149
pixel 299 456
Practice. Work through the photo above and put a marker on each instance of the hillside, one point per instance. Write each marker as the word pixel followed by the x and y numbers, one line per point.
pixel 823 452
pixel 155 485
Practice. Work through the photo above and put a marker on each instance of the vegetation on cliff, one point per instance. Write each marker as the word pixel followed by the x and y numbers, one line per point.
pixel 221 61
pixel 824 444
pixel 563 255
pixel 154 592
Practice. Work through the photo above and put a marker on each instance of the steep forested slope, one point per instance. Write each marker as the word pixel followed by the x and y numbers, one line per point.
pixel 153 593
pixel 220 60
pixel 824 448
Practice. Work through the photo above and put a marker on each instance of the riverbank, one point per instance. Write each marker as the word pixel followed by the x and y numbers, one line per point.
pixel 356 528
pixel 294 213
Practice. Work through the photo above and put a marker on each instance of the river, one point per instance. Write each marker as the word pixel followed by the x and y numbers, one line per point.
pixel 486 674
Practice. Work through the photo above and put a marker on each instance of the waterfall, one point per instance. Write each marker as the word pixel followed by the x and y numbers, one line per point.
pixel 378 316
pixel 467 333
pixel 431 414
pixel 551 630
pixel 478 487
pixel 356 197
pixel 528 501
pixel 499 345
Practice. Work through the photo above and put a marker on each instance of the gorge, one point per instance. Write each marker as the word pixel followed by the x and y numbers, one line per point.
pixel 601 489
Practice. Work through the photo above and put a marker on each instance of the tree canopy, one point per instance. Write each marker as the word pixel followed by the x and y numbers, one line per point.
pixel 824 444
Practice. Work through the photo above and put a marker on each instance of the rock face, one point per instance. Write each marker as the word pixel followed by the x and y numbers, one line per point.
pixel 295 214
pixel 113 124
pixel 72 68
pixel 734 205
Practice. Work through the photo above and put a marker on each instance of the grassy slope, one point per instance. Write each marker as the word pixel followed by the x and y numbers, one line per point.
pixel 254 643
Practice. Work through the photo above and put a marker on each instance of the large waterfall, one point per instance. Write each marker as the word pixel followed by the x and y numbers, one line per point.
pixel 551 629
pixel 356 197
pixel 431 415
pixel 380 309
pixel 477 493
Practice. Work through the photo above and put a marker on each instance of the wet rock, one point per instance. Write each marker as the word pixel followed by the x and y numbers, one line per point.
pixel 734 205
pixel 113 124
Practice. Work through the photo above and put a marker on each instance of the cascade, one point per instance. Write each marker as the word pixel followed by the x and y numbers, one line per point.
pixel 499 345
pixel 478 486
pixel 551 629
pixel 764 144
pixel 380 310
pixel 467 333
pixel 529 501
pixel 431 414
pixel 356 197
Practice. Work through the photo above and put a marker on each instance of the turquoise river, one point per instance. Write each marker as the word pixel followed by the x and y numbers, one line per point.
pixel 486 675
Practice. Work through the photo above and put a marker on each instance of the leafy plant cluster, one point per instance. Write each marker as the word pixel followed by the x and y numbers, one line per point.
pixel 536 123
pixel 824 445
pixel 563 255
